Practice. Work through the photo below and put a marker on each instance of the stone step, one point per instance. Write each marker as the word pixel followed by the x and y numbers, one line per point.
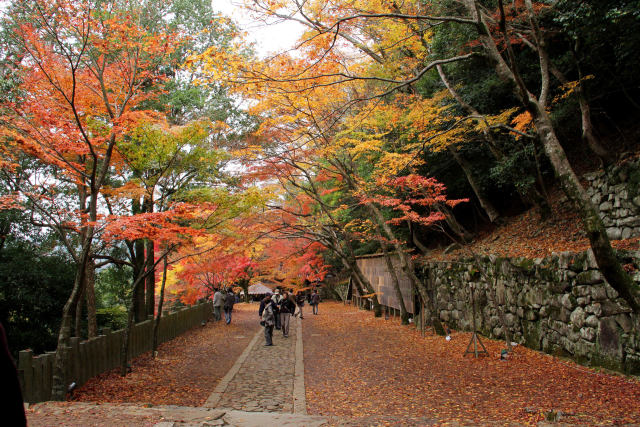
pixel 205 417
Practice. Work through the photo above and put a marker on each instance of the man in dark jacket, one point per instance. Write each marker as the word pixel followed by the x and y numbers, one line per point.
pixel 315 300
pixel 228 305
pixel 263 302
pixel 277 299
pixel 287 308
pixel 11 406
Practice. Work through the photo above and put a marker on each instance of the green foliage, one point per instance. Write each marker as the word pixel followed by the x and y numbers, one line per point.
pixel 508 171
pixel 33 289
pixel 112 317
pixel 113 287
pixel 367 247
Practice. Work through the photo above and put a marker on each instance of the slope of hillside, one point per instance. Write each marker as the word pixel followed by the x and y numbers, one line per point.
pixel 526 235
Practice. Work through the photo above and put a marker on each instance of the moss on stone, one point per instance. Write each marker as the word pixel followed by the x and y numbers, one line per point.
pixel 532 332
pixel 578 262
pixel 524 263
pixel 606 362
pixel 633 182
pixel 632 365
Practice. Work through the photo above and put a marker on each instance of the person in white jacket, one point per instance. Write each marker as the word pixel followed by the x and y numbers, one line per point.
pixel 218 302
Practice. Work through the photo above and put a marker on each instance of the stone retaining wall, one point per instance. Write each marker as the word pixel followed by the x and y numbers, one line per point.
pixel 97 355
pixel 559 304
pixel 616 192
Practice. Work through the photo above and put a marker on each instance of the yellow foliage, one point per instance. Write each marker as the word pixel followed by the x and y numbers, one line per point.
pixel 502 118
pixel 570 87
pixel 522 122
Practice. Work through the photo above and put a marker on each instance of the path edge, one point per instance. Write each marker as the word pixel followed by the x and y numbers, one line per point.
pixel 214 398
pixel 299 396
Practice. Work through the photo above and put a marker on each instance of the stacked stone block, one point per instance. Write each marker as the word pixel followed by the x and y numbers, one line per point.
pixel 616 192
pixel 560 304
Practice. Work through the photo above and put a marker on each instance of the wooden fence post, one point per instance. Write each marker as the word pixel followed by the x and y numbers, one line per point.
pixel 86 359
pixel 48 360
pixel 25 365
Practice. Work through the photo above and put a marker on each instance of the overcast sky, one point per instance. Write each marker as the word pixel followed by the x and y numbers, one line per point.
pixel 268 38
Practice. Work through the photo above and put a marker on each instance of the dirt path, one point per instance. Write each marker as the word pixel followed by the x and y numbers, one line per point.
pixel 358 371
pixel 187 369
pixel 248 385
pixel 383 373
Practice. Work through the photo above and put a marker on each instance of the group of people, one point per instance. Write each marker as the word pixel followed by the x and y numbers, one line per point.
pixel 223 302
pixel 276 310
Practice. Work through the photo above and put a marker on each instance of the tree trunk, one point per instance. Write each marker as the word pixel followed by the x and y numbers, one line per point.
pixel 150 296
pixel 59 387
pixel 592 223
pixel 407 266
pixel 124 349
pixel 457 228
pixel 485 203
pixel 540 198
pixel 156 325
pixel 245 288
pixel 138 260
pixel 588 133
pixel 139 308
pixel 78 314
pixel 404 316
pixel 416 241
pixel 605 257
pixel 529 195
pixel 488 138
pixel 90 294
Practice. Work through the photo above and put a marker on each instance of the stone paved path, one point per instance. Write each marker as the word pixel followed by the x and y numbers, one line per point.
pixel 263 378
pixel 83 414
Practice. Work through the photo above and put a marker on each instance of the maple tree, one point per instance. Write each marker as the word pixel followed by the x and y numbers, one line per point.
pixel 315 170
pixel 83 74
pixel 87 70
pixel 398 57
pixel 134 160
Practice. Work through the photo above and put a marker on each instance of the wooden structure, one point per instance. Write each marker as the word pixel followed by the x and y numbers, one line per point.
pixel 92 357
pixel 475 338
pixel 374 267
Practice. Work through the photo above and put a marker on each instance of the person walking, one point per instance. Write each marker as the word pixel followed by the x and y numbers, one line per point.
pixel 11 395
pixel 218 302
pixel 300 304
pixel 228 305
pixel 277 299
pixel 268 320
pixel 287 308
pixel 315 300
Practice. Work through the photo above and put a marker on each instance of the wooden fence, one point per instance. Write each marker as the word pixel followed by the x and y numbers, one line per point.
pixel 92 357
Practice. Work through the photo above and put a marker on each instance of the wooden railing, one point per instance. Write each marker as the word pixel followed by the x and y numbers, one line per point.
pixel 89 358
